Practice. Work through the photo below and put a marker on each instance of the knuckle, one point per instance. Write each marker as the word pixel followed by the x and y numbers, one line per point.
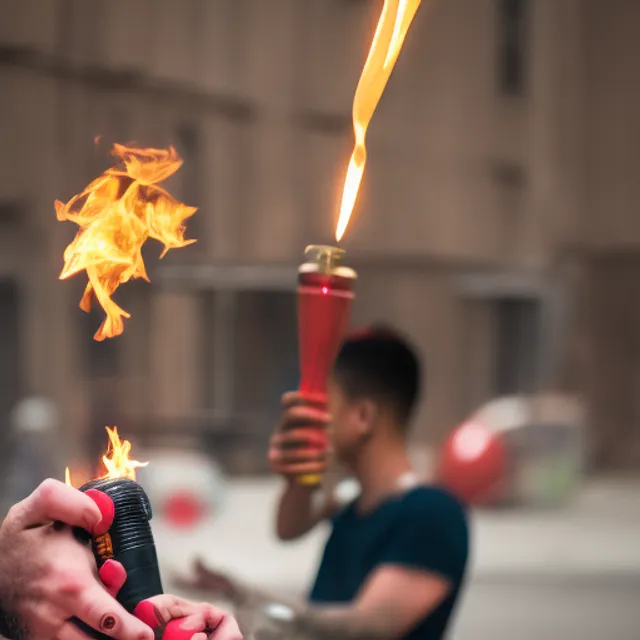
pixel 46 491
pixel 12 514
pixel 66 581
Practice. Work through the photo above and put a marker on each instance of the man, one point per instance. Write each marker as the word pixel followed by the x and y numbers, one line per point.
pixel 395 561
pixel 47 577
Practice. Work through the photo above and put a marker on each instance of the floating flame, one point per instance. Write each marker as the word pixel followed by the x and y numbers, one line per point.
pixel 389 36
pixel 116 461
pixel 116 214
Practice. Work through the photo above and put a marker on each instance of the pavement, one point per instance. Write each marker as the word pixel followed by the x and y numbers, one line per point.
pixel 562 574
pixel 597 534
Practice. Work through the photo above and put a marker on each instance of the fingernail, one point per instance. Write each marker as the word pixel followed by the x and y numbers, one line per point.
pixel 180 629
pixel 112 573
pixel 146 613
pixel 107 511
pixel 91 519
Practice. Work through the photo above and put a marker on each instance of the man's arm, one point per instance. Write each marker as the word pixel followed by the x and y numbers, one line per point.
pixel 299 446
pixel 390 604
pixel 300 509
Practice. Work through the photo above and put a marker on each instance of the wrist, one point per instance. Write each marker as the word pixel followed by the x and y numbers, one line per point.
pixel 294 487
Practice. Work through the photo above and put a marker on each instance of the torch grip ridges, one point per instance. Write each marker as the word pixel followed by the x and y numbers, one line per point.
pixel 130 528
pixel 129 540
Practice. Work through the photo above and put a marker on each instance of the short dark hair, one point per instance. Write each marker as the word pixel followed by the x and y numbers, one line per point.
pixel 378 363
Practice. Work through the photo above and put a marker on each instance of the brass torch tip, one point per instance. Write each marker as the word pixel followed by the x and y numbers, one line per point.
pixel 326 256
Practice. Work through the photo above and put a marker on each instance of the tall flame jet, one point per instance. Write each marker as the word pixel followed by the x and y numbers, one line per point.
pixel 394 22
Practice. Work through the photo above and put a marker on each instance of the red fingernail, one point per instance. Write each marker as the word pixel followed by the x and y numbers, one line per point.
pixel 112 573
pixel 175 631
pixel 145 612
pixel 107 510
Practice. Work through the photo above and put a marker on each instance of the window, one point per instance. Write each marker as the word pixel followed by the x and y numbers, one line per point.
pixel 517 345
pixel 512 43
pixel 250 358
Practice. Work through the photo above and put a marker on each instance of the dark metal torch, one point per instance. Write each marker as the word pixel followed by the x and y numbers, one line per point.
pixel 129 541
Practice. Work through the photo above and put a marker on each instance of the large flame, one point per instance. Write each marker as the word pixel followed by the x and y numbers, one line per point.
pixel 116 461
pixel 388 39
pixel 116 213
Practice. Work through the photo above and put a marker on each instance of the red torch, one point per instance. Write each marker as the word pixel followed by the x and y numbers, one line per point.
pixel 325 292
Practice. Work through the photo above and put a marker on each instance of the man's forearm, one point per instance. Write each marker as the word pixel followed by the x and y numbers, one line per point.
pixel 311 621
pixel 338 623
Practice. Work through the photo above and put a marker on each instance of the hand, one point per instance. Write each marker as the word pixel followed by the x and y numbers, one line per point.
pixel 215 583
pixel 300 443
pixel 173 618
pixel 48 577
pixel 178 619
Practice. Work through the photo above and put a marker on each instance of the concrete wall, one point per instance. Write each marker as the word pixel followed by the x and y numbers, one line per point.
pixel 461 178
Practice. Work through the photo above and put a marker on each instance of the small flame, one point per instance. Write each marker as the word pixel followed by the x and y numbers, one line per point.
pixel 116 214
pixel 388 39
pixel 117 461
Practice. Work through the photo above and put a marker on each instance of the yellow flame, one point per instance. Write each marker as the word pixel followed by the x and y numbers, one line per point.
pixel 116 214
pixel 388 39
pixel 117 461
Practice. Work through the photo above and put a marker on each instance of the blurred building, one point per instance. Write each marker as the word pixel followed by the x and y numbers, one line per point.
pixel 497 223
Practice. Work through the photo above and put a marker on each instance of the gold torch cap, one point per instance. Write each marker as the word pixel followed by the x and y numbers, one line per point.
pixel 325 259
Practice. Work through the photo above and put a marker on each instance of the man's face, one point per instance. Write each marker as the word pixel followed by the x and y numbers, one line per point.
pixel 351 422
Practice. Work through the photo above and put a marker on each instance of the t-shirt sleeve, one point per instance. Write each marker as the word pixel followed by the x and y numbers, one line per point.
pixel 430 534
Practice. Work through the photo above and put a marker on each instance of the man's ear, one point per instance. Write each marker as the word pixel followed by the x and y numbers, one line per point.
pixel 367 417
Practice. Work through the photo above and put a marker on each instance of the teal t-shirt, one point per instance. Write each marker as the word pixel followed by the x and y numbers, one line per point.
pixel 424 528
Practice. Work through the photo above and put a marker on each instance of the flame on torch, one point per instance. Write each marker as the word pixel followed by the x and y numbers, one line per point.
pixel 388 39
pixel 116 214
pixel 116 461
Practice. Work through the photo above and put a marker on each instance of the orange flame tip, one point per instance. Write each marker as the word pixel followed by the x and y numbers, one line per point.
pixel 395 20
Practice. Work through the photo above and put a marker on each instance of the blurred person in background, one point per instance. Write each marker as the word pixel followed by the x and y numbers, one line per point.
pixel 48 577
pixel 395 562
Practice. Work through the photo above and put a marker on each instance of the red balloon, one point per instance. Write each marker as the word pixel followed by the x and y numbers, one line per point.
pixel 183 510
pixel 473 464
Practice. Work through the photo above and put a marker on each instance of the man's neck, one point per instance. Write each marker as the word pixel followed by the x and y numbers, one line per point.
pixel 380 470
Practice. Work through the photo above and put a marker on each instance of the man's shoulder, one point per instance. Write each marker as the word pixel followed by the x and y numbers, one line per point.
pixel 430 502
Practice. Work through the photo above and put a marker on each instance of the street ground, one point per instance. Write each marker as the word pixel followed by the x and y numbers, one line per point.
pixel 543 575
